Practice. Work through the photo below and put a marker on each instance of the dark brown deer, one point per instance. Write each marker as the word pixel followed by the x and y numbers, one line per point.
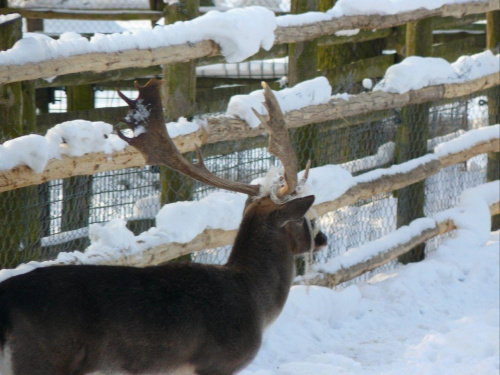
pixel 169 319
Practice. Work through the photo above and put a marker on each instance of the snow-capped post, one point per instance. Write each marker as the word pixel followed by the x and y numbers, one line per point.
pixel 411 139
pixel 19 209
pixel 493 43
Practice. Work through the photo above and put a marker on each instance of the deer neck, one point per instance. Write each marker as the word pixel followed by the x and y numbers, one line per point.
pixel 261 256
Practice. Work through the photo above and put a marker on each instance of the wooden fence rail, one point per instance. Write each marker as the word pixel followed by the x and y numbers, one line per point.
pixel 345 274
pixel 223 128
pixel 139 58
pixel 385 183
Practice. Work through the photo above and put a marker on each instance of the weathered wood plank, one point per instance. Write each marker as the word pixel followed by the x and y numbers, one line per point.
pixel 85 14
pixel 345 274
pixel 100 62
pixel 212 238
pixel 223 128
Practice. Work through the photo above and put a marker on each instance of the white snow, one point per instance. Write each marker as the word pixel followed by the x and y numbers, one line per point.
pixel 72 138
pixel 416 72
pixel 8 17
pixel 439 316
pixel 244 32
pixel 367 83
pixel 75 138
pixel 31 150
pixel 79 137
pixel 363 7
pixel 312 92
pixel 183 127
pixel 183 221
pixel 468 140
pixel 395 169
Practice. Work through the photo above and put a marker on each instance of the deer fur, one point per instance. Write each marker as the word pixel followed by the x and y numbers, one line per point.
pixel 207 319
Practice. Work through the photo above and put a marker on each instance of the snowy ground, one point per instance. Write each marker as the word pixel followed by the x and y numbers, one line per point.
pixel 440 316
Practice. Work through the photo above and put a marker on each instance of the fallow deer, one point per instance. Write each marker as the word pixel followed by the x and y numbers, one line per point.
pixel 172 318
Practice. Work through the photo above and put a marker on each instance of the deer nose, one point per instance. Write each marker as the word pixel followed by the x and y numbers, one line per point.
pixel 320 241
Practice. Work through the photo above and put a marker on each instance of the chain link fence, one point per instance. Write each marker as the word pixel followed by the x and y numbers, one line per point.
pixel 40 221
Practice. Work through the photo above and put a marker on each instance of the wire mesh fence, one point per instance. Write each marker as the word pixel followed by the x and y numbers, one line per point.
pixel 38 222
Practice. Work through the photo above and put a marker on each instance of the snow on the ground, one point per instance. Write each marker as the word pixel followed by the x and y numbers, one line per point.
pixel 437 317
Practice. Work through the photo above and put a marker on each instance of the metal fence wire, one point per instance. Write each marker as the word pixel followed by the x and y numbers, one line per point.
pixel 38 222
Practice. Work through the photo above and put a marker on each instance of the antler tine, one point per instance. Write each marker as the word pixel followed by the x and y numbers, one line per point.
pixel 279 141
pixel 152 140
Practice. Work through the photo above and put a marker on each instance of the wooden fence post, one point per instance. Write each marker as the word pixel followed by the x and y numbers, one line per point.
pixel 411 139
pixel 178 93
pixel 493 43
pixel 302 66
pixel 337 62
pixel 19 212
pixel 77 191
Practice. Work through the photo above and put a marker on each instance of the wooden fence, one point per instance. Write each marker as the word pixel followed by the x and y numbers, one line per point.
pixel 133 63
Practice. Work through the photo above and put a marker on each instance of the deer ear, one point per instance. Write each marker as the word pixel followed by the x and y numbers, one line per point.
pixel 294 209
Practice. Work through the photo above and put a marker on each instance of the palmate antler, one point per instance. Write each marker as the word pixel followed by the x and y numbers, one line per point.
pixel 145 118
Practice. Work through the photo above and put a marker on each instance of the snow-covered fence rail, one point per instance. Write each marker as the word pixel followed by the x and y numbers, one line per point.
pixel 225 128
pixel 153 251
pixel 139 53
pixel 380 252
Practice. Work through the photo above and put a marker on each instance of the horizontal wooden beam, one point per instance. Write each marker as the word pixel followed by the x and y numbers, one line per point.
pixel 391 182
pixel 345 274
pixel 223 128
pixel 86 14
pixel 361 36
pixel 106 61
pixel 303 33
pixel 212 238
pixel 100 62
